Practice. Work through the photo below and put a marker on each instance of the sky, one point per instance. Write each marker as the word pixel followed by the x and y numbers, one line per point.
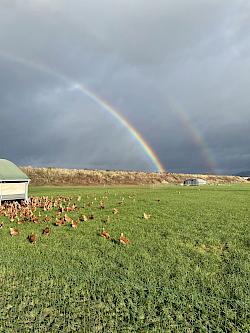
pixel 176 70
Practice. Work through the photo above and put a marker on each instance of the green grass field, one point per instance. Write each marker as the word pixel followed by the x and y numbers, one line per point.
pixel 186 269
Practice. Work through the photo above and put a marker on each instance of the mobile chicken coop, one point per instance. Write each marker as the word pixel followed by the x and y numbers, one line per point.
pixel 194 182
pixel 13 182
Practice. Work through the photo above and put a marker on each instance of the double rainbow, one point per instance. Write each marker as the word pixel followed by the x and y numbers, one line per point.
pixel 135 134
pixel 173 106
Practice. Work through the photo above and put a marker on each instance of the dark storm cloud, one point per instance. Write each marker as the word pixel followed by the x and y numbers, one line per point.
pixel 155 61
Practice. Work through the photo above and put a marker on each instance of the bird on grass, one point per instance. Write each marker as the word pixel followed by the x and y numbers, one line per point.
pixel 19 221
pixel 123 239
pixel 105 234
pixel 67 218
pixel 34 220
pixel 59 222
pixel 47 218
pixel 83 218
pixel 74 224
pixel 102 206
pixel 32 238
pixel 146 216
pixel 46 231
pixel 14 232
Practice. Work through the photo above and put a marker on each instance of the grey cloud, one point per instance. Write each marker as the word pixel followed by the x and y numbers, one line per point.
pixel 152 60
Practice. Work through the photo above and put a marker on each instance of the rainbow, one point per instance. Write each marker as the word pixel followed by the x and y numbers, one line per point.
pixel 135 134
pixel 193 132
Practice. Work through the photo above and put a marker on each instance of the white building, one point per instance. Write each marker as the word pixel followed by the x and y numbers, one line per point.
pixel 13 182
pixel 194 182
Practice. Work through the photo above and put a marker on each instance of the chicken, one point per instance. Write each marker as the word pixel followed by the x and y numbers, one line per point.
pixel 146 216
pixel 14 232
pixel 83 218
pixel 34 220
pixel 32 238
pixel 105 234
pixel 12 218
pixel 123 239
pixel 59 222
pixel 102 205
pixel 67 218
pixel 47 218
pixel 46 231
pixel 74 224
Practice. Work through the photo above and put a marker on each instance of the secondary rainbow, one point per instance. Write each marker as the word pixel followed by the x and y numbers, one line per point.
pixel 98 100
pixel 194 133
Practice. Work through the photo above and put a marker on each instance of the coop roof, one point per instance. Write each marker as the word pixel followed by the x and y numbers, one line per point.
pixel 9 171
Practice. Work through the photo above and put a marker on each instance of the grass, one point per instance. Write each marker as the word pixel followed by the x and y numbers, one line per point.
pixel 186 269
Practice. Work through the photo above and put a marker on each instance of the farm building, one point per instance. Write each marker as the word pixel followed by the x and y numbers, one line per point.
pixel 194 182
pixel 13 182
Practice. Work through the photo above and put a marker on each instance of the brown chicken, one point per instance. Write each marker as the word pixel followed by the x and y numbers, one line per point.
pixel 105 234
pixel 83 218
pixel 74 224
pixel 34 220
pixel 14 232
pixel 123 239
pixel 47 218
pixel 67 218
pixel 32 238
pixel 59 222
pixel 102 206
pixel 46 231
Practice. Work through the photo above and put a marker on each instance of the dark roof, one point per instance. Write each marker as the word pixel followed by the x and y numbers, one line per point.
pixel 9 171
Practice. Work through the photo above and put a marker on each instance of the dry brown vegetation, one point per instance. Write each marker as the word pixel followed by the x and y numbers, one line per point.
pixel 57 176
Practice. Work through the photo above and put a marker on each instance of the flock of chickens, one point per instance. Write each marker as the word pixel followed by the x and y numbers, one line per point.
pixel 56 211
